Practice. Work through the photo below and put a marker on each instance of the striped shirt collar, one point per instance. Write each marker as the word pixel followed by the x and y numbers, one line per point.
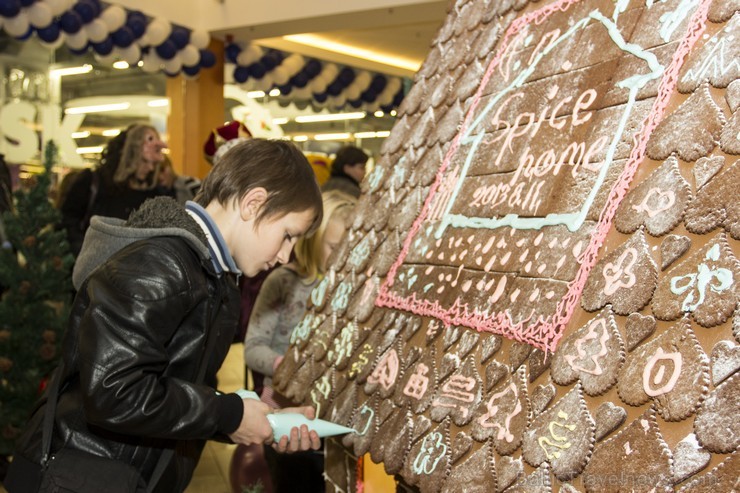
pixel 220 256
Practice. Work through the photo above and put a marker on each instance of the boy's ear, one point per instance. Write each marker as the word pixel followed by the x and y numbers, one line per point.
pixel 251 202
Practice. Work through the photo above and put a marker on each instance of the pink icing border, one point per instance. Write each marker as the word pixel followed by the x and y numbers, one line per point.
pixel 543 333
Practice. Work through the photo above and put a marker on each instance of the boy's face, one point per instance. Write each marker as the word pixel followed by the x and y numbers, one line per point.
pixel 271 241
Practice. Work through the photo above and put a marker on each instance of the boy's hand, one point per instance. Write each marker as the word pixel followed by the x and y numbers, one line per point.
pixel 300 438
pixel 254 427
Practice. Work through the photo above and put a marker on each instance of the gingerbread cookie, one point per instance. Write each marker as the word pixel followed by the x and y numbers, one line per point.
pixel 365 424
pixel 495 371
pixel 341 408
pixel 542 395
pixel 504 414
pixel 626 278
pixel 320 393
pixel 563 436
pixel 678 134
pixel 705 169
pixel 671 369
pixel 608 417
pixel 360 249
pixel 702 63
pixel 721 478
pixel 717 423
pixel 418 384
pixel 386 254
pixel 638 454
pixel 508 470
pixel 658 203
pixel 729 141
pixel 592 354
pixel 428 462
pixel 537 482
pixel 638 328
pixel 539 363
pixel 672 248
pixel 703 284
pixel 689 458
pixel 725 361
pixel 476 474
pixel 715 204
pixel 385 374
pixel 518 354
pixel 363 301
pixel 458 395
pixel 394 439
pixel 732 95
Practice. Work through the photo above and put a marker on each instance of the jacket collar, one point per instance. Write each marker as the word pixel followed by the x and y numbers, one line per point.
pixel 220 255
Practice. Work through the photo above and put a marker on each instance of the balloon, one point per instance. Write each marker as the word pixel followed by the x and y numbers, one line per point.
pixel 355 103
pixel 173 66
pixel 320 97
pixel 27 3
pixel 108 59
pixel 346 76
pixel 49 34
pixel 280 76
pixel 57 6
pixel 131 54
pixel 17 26
pixel 180 36
pixel 157 31
pixel 104 47
pixel 398 97
pixel 312 68
pixel 318 85
pixel 340 100
pixel 85 9
pixel 232 51
pixel 56 44
pixel 25 36
pixel 166 50
pixel 9 8
pixel 200 39
pixel 265 83
pixel 302 93
pixel 78 40
pixel 79 52
pixel 257 70
pixel 299 80
pixel 335 88
pixel 190 56
pixel 207 58
pixel 150 63
pixel 285 89
pixel 369 96
pixel 248 468
pixel 378 83
pixel 363 79
pixel 114 17
pixel 270 61
pixel 329 72
pixel 137 25
pixel 123 37
pixel 352 92
pixel 191 71
pixel 39 15
pixel 241 74
pixel 97 31
pixel 70 22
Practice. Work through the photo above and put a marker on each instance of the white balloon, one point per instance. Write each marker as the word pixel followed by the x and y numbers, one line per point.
pixel 394 84
pixel 18 25
pixel 173 65
pixel 39 14
pixel 68 4
pixel 190 55
pixel 144 40
pixel 244 58
pixel 280 75
pixel 372 107
pixel 200 39
pixel 54 45
pixel 265 83
pixel 158 31
pixel 131 54
pixel 385 98
pixel 150 63
pixel 78 40
pixel 352 92
pixel 363 80
pixel 97 30
pixel 330 72
pixel 58 7
pixel 318 85
pixel 108 59
pixel 114 17
pixel 340 100
pixel 302 93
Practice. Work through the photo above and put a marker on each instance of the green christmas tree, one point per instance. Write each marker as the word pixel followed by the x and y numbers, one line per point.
pixel 35 287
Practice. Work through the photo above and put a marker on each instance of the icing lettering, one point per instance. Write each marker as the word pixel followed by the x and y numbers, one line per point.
pixel 418 383
pixel 573 361
pixel 620 274
pixel 488 420
pixel 561 441
pixel 370 415
pixel 697 284
pixel 341 297
pixel 457 389
pixel 663 202
pixel 362 361
pixel 660 377
pixel 432 450
pixel 386 371
pixel 342 347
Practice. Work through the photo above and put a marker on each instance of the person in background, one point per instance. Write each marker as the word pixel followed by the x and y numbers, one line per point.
pixel 123 180
pixel 347 171
pixel 157 299
pixel 280 306
pixel 181 188
pixel 6 199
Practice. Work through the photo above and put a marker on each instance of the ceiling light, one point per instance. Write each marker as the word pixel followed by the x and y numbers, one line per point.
pixel 378 113
pixel 256 94
pixel 330 117
pixel 300 138
pixel 60 72
pixel 274 92
pixel 120 65
pixel 80 135
pixel 111 132
pixel 393 113
pixel 342 136
pixel 365 135
pixel 279 121
pixel 158 103
pixel 383 133
pixel 90 150
pixel 99 108
pixel 325 44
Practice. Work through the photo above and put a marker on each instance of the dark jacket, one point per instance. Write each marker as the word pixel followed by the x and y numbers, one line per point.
pixel 134 342
pixel 342 182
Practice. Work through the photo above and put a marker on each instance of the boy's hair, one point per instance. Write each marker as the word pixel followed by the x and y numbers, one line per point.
pixel 348 155
pixel 275 165
pixel 308 249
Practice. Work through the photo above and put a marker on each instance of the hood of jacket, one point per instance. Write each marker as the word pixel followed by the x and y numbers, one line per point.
pixel 161 216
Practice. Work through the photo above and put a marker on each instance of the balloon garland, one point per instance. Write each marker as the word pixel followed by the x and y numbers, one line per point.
pixel 111 32
pixel 325 83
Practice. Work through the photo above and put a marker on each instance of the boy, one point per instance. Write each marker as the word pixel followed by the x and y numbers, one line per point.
pixel 150 291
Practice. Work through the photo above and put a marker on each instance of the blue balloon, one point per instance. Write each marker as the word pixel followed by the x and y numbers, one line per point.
pixel 300 80
pixel 387 108
pixel 368 96
pixel 241 74
pixel 270 60
pixel 25 36
pixel 320 97
pixel 170 74
pixel 104 47
pixel 96 5
pixel 49 33
pixel 346 76
pixel 81 51
pixel 137 25
pixel 191 71
pixel 85 9
pixel 166 50
pixel 180 36
pixel 232 51
pixel 285 89
pixel 9 8
pixel 123 37
pixel 70 22
pixel 312 68
pixel 257 70
pixel 26 3
pixel 335 88
pixel 398 97
pixel 207 58
pixel 355 103
pixel 378 84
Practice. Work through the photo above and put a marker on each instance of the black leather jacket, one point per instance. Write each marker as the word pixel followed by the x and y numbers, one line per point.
pixel 134 342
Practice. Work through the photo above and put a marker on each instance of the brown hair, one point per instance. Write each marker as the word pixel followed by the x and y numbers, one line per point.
pixel 131 155
pixel 275 165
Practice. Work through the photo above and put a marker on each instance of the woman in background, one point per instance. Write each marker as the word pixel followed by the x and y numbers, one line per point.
pixel 124 179
pixel 279 308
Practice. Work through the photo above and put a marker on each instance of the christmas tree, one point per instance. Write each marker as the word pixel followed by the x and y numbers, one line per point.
pixel 35 287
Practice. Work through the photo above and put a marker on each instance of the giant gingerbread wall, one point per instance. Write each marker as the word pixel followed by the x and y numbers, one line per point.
pixel 539 291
